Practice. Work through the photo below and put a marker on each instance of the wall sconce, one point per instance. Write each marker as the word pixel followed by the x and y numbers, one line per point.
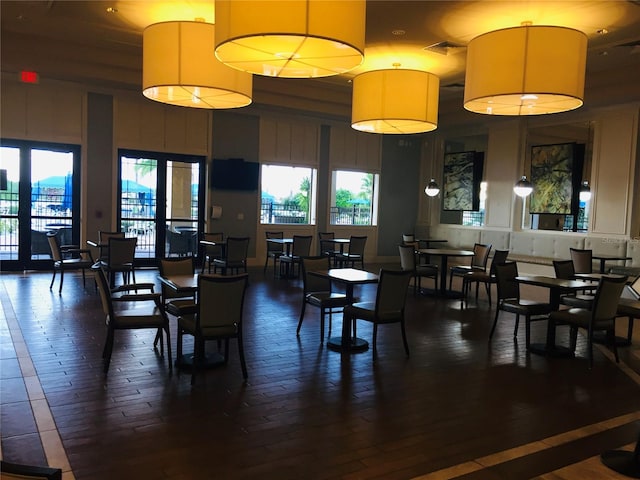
pixel 523 187
pixel 432 189
pixel 585 192
pixel 290 39
pixel 179 68
pixel 526 70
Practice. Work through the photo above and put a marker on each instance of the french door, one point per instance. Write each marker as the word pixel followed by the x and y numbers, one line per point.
pixel 161 202
pixel 42 196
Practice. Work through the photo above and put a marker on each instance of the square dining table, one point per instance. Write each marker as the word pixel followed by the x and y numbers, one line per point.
pixel 349 277
pixel 556 286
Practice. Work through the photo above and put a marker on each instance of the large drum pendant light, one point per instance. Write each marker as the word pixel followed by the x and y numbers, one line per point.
pixel 527 70
pixel 395 101
pixel 290 38
pixel 180 68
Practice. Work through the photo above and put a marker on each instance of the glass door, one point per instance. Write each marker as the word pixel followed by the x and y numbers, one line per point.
pixel 162 203
pixel 42 197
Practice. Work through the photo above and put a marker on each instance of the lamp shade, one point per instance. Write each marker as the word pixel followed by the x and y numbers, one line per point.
pixel 432 189
pixel 179 68
pixel 395 101
pixel 523 187
pixel 528 70
pixel 291 38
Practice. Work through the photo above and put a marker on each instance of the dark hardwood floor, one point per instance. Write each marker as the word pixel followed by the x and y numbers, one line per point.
pixel 459 406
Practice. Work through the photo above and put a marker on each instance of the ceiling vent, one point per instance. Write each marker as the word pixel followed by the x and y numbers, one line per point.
pixel 444 48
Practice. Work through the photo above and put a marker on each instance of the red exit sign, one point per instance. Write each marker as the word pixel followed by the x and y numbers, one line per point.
pixel 27 76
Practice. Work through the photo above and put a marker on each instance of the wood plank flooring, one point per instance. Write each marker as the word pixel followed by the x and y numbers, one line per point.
pixel 459 407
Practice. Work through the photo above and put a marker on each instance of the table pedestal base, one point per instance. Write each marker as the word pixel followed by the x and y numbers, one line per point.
pixel 211 360
pixel 354 345
pixel 623 462
pixel 556 352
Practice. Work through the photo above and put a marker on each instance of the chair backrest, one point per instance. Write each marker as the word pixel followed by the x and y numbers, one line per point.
pixel 508 288
pixel 220 302
pixel 213 250
pixel 582 260
pixel 326 242
pixel 103 237
pixel 480 255
pixel 356 245
pixel 28 472
pixel 274 247
pixel 313 283
pixel 499 257
pixel 56 254
pixel 407 257
pixel 301 245
pixel 391 294
pixel 605 303
pixel 237 248
pixel 121 251
pixel 563 269
pixel 104 291
pixel 175 266
pixel 408 238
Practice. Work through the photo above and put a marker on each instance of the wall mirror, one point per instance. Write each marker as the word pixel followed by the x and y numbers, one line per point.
pixel 558 162
pixel 457 144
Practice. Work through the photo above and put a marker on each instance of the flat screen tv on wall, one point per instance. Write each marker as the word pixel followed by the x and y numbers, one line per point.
pixel 234 174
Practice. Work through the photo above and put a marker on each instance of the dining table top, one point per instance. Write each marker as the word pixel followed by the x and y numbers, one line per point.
pixel 450 252
pixel 348 275
pixel 553 282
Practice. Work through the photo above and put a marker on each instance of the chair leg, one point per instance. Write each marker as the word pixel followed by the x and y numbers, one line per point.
pixel 179 347
pixel 243 364
pixel 487 286
pixel 108 349
pixel 322 314
pixel 52 278
pixel 375 341
pixel 590 348
pixel 611 336
pixel 527 331
pixel 515 329
pixel 168 333
pixel 304 305
pixel 61 279
pixel 404 338
pixel 495 322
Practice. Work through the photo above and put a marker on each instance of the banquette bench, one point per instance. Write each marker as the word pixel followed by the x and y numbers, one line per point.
pixel 535 250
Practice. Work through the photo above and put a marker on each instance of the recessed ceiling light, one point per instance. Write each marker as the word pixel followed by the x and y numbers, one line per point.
pixel 398 32
pixel 602 31
pixel 112 10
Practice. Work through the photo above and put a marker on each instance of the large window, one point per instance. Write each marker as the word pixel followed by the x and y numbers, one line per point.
pixel 288 195
pixel 476 218
pixel 42 197
pixel 354 198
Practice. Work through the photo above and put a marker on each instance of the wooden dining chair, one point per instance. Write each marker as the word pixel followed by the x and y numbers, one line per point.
pixel 300 248
pixel 600 317
pixel 478 263
pixel 218 317
pixel 355 254
pixel 582 260
pixel 235 257
pixel 274 250
pixel 482 276
pixel 388 308
pixel 67 258
pixel 509 301
pixel 408 262
pixel 317 292
pixel 212 252
pixel 327 246
pixel 564 269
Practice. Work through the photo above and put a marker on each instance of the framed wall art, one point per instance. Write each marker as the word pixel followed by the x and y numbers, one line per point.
pixel 555 170
pixel 462 174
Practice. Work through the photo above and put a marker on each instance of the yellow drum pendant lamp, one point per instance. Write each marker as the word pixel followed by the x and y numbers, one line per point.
pixel 527 70
pixel 395 101
pixel 180 68
pixel 290 38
